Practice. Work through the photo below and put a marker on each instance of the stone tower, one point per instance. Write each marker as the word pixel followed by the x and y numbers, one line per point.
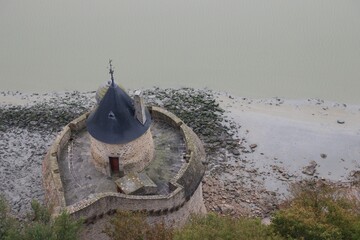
pixel 121 141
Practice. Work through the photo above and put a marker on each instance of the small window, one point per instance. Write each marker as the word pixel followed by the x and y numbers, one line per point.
pixel 111 115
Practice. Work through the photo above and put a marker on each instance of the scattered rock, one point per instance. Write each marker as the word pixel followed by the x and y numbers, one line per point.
pixel 310 169
pixel 252 146
pixel 266 221
pixel 323 155
pixel 226 208
pixel 235 151
pixel 340 121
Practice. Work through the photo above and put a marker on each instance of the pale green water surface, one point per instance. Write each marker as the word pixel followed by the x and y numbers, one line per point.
pixel 256 48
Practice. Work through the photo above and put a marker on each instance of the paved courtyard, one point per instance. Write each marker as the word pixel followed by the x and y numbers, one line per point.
pixel 80 178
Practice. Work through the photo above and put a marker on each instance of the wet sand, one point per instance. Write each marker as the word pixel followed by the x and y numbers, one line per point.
pixel 297 138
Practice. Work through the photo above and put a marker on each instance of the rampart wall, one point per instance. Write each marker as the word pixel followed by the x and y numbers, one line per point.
pixel 174 208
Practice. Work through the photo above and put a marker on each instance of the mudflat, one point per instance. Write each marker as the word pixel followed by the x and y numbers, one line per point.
pixel 256 148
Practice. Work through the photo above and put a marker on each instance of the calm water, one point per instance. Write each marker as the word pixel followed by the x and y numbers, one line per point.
pixel 287 48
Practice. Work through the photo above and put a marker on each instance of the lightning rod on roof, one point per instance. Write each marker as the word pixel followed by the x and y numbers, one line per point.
pixel 111 71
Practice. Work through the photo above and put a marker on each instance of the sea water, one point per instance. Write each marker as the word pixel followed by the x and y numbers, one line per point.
pixel 252 48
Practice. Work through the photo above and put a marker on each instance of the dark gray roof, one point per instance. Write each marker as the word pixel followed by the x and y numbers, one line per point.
pixel 114 120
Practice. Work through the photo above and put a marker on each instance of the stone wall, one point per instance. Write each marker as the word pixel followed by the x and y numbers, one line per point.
pixel 174 208
pixel 134 156
pixel 79 123
pixel 177 217
pixel 102 203
pixel 54 191
pixel 166 116
pixel 191 175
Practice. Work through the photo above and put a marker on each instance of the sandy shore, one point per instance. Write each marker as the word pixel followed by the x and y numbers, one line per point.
pixel 270 143
pixel 298 138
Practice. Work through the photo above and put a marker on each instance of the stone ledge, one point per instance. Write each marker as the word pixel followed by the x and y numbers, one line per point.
pixel 168 117
pixel 79 123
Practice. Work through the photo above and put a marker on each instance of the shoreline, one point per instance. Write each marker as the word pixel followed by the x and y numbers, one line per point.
pixel 299 138
pixel 256 147
pixel 20 98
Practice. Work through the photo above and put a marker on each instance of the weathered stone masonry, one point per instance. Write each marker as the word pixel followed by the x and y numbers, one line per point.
pixel 54 191
pixel 135 155
pixel 175 207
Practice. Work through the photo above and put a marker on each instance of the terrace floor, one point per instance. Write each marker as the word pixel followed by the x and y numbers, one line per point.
pixel 80 178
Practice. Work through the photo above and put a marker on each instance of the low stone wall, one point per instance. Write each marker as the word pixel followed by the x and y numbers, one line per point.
pixel 166 116
pixel 191 173
pixel 79 123
pixel 54 191
pixel 175 208
pixel 102 203
pixel 179 216
pixel 171 209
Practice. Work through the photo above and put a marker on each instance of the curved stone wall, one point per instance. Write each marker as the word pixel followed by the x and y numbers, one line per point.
pixel 191 174
pixel 175 208
pixel 134 156
pixel 54 191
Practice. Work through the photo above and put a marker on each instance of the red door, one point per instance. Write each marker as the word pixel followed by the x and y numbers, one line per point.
pixel 114 165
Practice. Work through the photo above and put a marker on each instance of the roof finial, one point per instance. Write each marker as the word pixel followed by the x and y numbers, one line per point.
pixel 111 71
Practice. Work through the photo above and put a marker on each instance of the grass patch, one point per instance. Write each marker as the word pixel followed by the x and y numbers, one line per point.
pixel 39 225
pixel 318 211
pixel 214 226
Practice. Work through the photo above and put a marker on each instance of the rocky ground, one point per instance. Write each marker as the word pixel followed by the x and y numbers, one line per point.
pixel 28 125
pixel 255 148
pixel 228 187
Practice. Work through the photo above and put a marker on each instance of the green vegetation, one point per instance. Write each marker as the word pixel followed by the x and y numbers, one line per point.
pixel 40 227
pixel 214 226
pixel 318 211
pixel 7 223
pixel 133 226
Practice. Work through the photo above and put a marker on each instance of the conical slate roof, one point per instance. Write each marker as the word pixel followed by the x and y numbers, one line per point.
pixel 114 120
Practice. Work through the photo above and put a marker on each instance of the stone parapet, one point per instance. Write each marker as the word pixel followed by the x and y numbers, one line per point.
pixel 184 199
pixel 79 123
pixel 191 174
pixel 101 203
pixel 166 116
pixel 54 190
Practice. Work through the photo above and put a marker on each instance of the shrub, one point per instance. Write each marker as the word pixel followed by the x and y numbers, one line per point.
pixel 38 231
pixel 39 213
pixel 214 226
pixel 318 211
pixel 7 223
pixel 65 228
pixel 39 226
pixel 133 226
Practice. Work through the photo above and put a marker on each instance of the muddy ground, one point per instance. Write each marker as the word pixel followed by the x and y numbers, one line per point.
pixel 255 148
